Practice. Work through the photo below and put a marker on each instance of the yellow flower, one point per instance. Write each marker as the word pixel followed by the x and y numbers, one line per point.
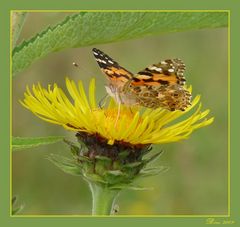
pixel 135 125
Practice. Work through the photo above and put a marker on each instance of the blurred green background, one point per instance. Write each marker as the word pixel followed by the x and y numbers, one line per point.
pixel 197 180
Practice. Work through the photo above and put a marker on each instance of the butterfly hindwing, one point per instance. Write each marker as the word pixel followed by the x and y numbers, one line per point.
pixel 161 85
pixel 172 97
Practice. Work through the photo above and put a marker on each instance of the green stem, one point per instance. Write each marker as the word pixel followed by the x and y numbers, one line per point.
pixel 18 19
pixel 103 199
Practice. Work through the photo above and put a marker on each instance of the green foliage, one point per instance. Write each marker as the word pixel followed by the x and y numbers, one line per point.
pixel 91 28
pixel 153 157
pixel 19 143
pixel 65 164
pixel 103 169
pixel 152 171
pixel 130 187
pixel 15 207
pixel 18 19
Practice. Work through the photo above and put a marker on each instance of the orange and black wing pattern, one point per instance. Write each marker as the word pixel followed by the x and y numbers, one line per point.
pixel 168 72
pixel 116 74
pixel 161 85
pixel 158 85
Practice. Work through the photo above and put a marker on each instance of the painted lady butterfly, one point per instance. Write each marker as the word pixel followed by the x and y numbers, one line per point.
pixel 158 85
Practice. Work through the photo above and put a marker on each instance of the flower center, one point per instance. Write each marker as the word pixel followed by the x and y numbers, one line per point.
pixel 115 116
pixel 98 146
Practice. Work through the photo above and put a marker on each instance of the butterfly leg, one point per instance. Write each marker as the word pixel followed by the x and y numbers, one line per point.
pixel 103 101
pixel 118 115
pixel 131 110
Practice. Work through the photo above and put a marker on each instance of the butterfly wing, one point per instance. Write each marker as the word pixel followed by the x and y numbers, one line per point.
pixel 116 74
pixel 161 85
pixel 168 72
pixel 172 97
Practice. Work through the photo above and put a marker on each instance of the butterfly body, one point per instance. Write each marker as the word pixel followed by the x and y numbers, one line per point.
pixel 158 85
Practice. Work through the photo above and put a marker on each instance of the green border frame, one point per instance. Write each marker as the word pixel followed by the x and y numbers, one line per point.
pixel 231 5
pixel 117 216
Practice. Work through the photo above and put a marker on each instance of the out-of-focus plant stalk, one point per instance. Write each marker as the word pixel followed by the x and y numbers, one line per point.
pixel 18 19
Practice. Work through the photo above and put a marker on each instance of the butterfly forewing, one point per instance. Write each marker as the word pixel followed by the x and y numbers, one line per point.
pixel 168 72
pixel 116 74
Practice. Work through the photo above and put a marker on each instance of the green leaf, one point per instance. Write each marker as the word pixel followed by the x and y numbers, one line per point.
pixel 115 176
pixel 74 148
pixel 16 208
pixel 84 159
pixel 65 164
pixel 19 143
pixel 115 173
pixel 152 171
pixel 91 28
pixel 153 157
pixel 94 178
pixel 132 165
pixel 123 154
pixel 18 19
pixel 129 186
pixel 103 158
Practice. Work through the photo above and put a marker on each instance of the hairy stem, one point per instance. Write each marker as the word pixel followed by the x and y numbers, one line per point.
pixel 103 199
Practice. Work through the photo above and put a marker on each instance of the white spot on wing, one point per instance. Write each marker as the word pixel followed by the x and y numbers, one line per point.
pixel 152 67
pixel 159 69
pixel 164 63
pixel 155 68
pixel 145 77
pixel 102 61
pixel 111 62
